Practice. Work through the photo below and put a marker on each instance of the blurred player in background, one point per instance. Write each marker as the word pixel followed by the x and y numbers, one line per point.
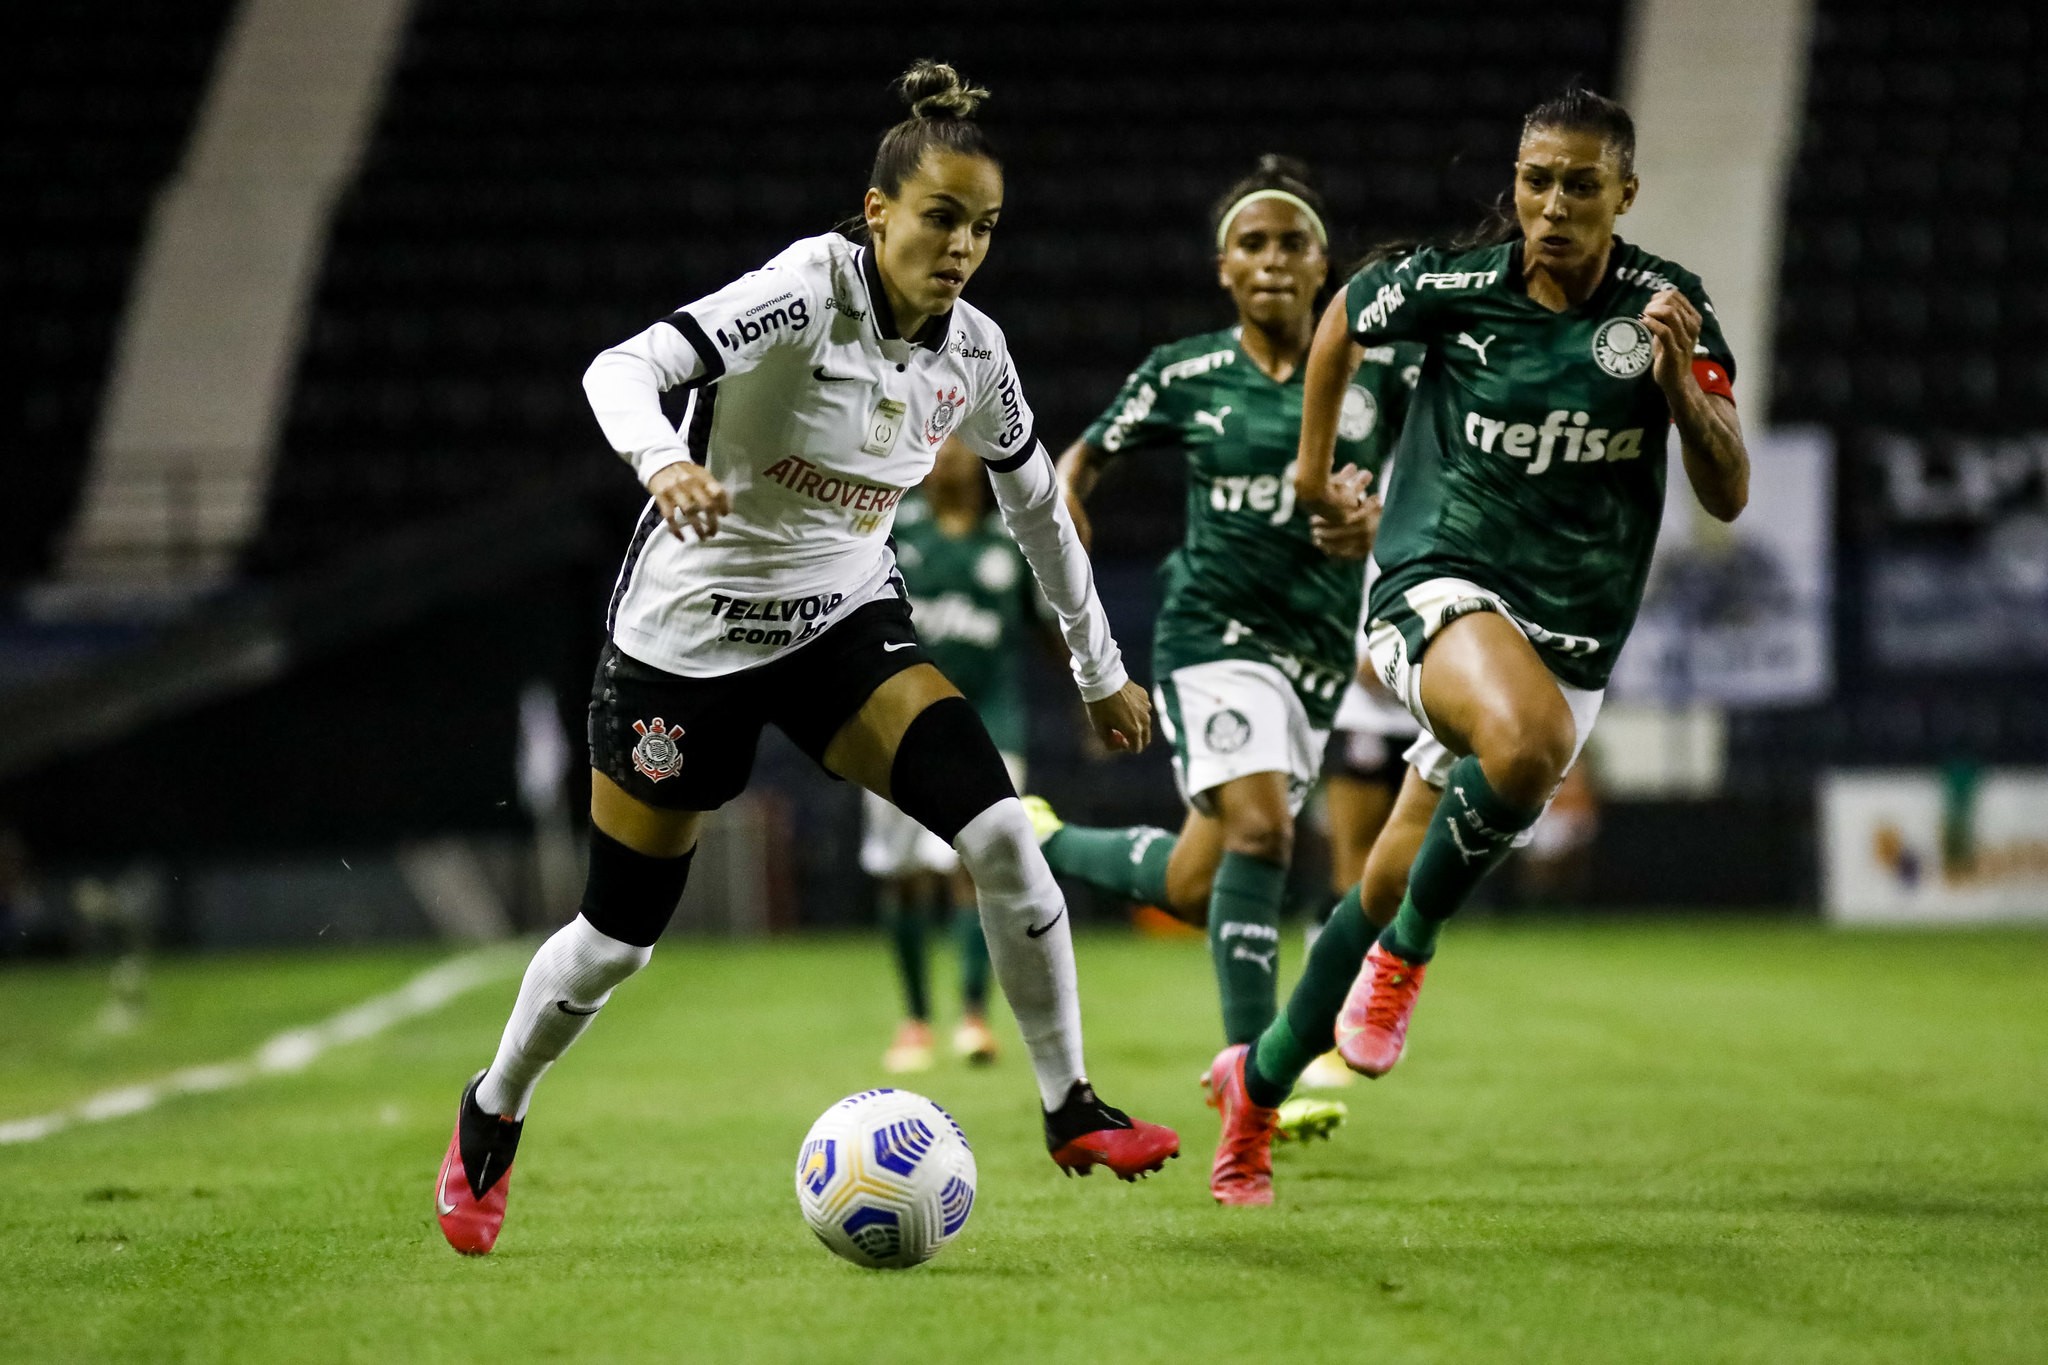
pixel 972 602
pixel 1516 541
pixel 1254 642
pixel 759 589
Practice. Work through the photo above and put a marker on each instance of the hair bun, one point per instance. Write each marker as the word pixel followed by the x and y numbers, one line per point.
pixel 934 90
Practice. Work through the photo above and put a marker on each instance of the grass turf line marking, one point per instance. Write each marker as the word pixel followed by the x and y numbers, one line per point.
pixel 284 1053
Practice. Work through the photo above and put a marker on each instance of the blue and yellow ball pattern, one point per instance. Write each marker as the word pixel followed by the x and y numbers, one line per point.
pixel 885 1178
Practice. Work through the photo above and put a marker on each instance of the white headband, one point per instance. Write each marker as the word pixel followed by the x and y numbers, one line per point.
pixel 1314 219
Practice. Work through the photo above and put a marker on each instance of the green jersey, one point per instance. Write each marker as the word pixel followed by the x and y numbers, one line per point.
pixel 1248 582
pixel 1533 464
pixel 971 599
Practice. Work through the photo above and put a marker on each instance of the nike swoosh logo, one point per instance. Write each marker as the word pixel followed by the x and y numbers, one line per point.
pixel 891 649
pixel 566 1008
pixel 823 378
pixel 441 1204
pixel 1039 931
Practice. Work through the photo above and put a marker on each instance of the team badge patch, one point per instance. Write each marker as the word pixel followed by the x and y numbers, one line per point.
pixel 1360 415
pixel 943 416
pixel 1227 732
pixel 657 755
pixel 1622 348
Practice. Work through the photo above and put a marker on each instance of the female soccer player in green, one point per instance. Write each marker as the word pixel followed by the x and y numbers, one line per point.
pixel 1255 638
pixel 1516 539
pixel 972 601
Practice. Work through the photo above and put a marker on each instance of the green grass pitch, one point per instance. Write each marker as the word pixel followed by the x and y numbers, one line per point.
pixel 1659 1142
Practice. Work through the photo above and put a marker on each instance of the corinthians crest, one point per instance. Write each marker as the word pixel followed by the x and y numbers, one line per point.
pixel 657 755
pixel 943 416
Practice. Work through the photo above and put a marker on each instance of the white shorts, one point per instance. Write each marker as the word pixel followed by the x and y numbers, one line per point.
pixel 1370 708
pixel 1435 602
pixel 1372 711
pixel 894 845
pixel 1232 718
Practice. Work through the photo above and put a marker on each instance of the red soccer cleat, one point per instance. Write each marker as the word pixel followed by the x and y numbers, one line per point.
pixel 469 1193
pixel 1372 1028
pixel 1084 1133
pixel 1243 1170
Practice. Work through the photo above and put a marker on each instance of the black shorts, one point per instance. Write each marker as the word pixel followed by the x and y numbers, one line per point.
pixel 1366 756
pixel 688 743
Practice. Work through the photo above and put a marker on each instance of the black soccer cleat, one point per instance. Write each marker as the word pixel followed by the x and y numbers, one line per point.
pixel 476 1174
pixel 1084 1133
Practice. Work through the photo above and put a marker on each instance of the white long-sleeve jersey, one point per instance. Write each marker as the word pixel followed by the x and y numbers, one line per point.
pixel 817 418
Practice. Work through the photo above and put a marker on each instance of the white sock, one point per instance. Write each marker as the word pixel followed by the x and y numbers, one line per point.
pixel 1017 893
pixel 567 982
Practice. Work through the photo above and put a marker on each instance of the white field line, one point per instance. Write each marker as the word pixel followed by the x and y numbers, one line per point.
pixel 287 1052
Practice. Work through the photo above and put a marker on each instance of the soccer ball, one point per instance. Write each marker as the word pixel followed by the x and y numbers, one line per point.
pixel 885 1178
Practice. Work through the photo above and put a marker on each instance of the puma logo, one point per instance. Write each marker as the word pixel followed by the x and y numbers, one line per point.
pixel 1265 959
pixel 1213 420
pixel 1465 339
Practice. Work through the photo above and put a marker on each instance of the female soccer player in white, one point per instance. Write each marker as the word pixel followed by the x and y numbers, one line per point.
pixel 759 588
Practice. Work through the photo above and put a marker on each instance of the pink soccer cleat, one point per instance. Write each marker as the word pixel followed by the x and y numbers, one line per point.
pixel 1372 1028
pixel 469 1193
pixel 1243 1170
pixel 1084 1133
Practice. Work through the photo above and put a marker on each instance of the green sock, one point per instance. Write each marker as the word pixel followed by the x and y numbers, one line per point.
pixel 1129 862
pixel 906 933
pixel 1244 941
pixel 1472 830
pixel 973 950
pixel 1309 1027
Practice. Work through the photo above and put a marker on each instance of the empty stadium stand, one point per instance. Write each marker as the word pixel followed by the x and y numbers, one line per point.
pixel 99 100
pixel 550 176
pixel 1915 278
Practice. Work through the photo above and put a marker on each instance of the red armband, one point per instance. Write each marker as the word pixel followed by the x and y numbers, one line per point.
pixel 1713 377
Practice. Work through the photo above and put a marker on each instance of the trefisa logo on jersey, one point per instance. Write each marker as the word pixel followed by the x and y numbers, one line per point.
pixel 1564 436
pixel 785 310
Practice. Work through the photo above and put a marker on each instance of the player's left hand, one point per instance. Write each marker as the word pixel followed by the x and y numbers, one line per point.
pixel 1674 330
pixel 1123 719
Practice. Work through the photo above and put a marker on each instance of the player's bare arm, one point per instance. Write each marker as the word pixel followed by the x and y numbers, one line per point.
pixel 1332 361
pixel 1079 468
pixel 1709 430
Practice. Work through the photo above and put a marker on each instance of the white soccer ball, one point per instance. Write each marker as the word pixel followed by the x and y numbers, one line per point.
pixel 885 1178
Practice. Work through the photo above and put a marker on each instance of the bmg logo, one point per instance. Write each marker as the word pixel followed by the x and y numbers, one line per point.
pixel 795 315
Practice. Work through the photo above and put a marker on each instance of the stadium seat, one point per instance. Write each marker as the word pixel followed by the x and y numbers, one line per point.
pixel 548 176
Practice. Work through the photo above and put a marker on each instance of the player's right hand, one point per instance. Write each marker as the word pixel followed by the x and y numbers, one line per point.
pixel 691 501
pixel 1123 719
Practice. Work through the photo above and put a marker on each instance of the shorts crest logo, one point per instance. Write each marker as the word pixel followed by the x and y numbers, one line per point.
pixel 943 416
pixel 657 755
pixel 1227 732
pixel 1622 348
